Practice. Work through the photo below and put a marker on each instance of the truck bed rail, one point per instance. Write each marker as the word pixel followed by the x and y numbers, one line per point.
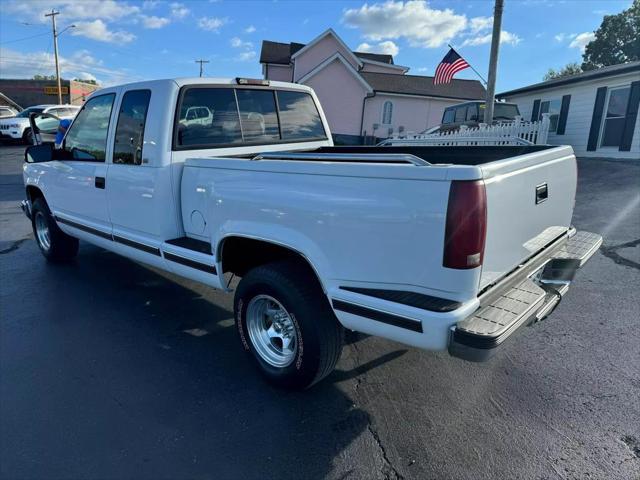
pixel 389 158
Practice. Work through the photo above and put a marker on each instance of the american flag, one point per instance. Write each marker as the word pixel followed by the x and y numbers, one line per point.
pixel 451 64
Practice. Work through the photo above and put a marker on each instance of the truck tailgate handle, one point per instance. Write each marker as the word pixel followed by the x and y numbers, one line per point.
pixel 100 182
pixel 542 193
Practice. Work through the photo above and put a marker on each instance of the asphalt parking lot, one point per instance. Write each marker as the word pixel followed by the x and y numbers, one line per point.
pixel 111 370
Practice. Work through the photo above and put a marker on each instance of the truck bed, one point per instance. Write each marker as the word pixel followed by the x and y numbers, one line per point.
pixel 463 155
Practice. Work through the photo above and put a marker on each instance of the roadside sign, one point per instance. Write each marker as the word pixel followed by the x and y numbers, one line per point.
pixel 54 90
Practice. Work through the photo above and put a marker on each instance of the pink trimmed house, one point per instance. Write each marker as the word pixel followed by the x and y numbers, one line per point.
pixel 363 94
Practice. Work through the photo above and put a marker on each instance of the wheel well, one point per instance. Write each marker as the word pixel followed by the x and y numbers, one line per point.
pixel 240 254
pixel 33 193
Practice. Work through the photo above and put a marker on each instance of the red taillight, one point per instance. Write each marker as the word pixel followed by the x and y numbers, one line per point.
pixel 466 225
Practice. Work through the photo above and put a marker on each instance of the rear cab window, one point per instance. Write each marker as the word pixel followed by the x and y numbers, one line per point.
pixel 214 117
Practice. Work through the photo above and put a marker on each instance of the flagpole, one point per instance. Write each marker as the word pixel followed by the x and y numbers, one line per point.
pixel 470 66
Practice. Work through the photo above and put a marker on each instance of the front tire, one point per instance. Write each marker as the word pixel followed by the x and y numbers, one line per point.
pixel 27 136
pixel 286 324
pixel 55 245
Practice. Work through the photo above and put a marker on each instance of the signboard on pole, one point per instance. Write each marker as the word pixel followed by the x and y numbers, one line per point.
pixel 54 90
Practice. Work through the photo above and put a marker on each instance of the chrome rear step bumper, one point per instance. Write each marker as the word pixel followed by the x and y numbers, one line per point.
pixel 526 296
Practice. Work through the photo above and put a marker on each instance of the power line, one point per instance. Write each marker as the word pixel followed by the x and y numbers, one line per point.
pixel 25 38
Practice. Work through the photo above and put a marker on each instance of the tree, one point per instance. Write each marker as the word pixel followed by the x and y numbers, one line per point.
pixel 89 81
pixel 566 71
pixel 44 77
pixel 617 40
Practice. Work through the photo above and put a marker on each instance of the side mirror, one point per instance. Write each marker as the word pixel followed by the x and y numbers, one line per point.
pixel 39 153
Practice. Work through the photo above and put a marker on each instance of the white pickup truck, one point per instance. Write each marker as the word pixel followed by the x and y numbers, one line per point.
pixel 436 247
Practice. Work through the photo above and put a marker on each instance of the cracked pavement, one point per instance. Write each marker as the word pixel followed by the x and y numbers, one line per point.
pixel 110 370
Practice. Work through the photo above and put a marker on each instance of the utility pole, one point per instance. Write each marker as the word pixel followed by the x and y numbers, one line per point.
pixel 201 62
pixel 493 62
pixel 55 50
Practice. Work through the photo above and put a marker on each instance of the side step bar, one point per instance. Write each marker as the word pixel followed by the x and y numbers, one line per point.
pixel 532 299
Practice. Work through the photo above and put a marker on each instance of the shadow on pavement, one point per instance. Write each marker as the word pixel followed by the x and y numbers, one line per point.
pixel 149 400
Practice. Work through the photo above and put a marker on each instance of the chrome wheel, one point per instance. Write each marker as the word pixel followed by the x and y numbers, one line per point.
pixel 42 231
pixel 271 331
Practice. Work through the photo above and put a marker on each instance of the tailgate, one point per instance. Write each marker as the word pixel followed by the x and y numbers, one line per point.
pixel 529 203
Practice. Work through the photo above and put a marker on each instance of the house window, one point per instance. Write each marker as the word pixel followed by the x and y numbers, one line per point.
pixel 552 107
pixel 614 117
pixel 387 113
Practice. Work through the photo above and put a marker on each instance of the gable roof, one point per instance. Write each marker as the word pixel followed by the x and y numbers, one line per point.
pixel 339 58
pixel 423 86
pixel 603 72
pixel 280 53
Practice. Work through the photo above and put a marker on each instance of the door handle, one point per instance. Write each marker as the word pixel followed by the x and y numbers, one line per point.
pixel 100 182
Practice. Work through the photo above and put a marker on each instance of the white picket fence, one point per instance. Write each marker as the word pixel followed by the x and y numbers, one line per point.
pixel 517 132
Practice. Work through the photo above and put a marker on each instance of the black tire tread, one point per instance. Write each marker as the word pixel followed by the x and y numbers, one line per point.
pixel 295 276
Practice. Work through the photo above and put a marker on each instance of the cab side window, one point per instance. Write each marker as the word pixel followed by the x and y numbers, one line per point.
pixel 129 140
pixel 87 137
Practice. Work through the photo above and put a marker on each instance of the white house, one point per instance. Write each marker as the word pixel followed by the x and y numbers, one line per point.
pixel 363 94
pixel 596 111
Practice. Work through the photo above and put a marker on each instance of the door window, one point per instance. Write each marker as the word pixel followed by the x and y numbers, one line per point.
pixel 448 116
pixel 461 113
pixel 472 113
pixel 128 143
pixel 87 137
pixel 615 117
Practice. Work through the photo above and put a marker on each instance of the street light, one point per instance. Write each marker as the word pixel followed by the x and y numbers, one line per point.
pixel 55 49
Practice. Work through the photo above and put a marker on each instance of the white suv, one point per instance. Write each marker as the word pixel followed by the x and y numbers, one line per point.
pixel 18 128
pixel 7 112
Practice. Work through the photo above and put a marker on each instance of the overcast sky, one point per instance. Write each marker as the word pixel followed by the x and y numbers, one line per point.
pixel 120 41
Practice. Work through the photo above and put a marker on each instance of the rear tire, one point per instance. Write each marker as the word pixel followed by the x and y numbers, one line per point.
pixel 286 324
pixel 55 245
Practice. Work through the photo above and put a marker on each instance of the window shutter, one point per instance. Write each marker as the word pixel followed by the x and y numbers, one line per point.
pixel 564 111
pixel 536 110
pixel 630 117
pixel 596 119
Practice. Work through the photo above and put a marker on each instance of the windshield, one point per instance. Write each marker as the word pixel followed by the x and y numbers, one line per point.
pixel 28 111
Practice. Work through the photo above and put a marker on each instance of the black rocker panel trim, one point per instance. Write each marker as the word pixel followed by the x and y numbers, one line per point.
pixel 192 244
pixel 84 228
pixel 190 263
pixel 378 316
pixel 412 299
pixel 140 246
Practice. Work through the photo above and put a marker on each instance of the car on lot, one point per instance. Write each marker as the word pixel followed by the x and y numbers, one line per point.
pixel 18 128
pixel 471 114
pixel 441 248
pixel 7 112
